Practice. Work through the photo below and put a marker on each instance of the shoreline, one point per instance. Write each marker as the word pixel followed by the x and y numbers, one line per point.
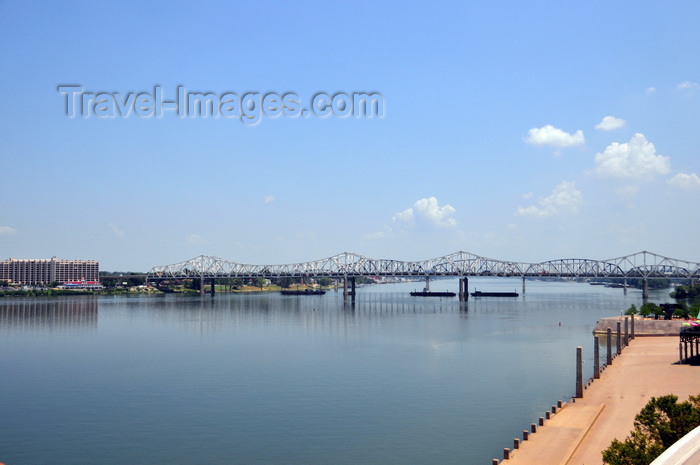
pixel 586 426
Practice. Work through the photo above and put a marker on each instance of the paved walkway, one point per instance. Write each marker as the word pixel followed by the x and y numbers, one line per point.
pixel 578 433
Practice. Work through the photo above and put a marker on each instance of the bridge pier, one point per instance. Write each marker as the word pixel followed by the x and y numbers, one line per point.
pixel 645 289
pixel 624 286
pixel 213 286
pixel 523 284
pixel 464 288
pixel 347 293
pixel 201 285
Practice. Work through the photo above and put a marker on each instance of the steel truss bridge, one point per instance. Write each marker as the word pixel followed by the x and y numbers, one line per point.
pixel 463 264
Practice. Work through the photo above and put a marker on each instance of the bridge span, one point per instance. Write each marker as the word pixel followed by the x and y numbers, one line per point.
pixel 349 265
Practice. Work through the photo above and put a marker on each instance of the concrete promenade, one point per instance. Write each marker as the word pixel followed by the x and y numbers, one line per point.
pixel 581 430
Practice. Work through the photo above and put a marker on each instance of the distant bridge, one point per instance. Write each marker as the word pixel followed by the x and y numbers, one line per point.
pixel 642 264
pixel 462 264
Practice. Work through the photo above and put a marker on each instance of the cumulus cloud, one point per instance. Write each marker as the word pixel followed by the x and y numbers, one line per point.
pixel 609 123
pixel 269 199
pixel 565 198
pixel 636 159
pixel 427 212
pixel 549 135
pixel 6 231
pixel 687 85
pixel 685 181
pixel 118 232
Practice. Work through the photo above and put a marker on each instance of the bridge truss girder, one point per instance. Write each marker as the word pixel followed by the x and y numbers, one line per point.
pixel 642 264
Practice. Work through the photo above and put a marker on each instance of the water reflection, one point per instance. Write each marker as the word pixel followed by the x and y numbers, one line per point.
pixel 272 379
pixel 34 314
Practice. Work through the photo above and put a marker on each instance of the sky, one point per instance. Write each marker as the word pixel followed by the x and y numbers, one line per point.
pixel 523 131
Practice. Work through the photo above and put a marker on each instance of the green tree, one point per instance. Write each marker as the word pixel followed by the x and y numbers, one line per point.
pixel 287 282
pixel 694 310
pixel 632 310
pixel 657 426
pixel 132 281
pixel 635 450
pixel 686 292
pixel 646 309
pixel 658 311
pixel 650 308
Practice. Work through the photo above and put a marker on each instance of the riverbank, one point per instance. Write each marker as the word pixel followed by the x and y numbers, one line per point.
pixel 580 431
pixel 145 290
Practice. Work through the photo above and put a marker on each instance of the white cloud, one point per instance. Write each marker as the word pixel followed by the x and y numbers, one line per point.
pixel 549 135
pixel 650 90
pixel 685 181
pixel 565 198
pixel 405 216
pixel 269 199
pixel 687 85
pixel 6 231
pixel 636 159
pixel 609 123
pixel 196 239
pixel 427 212
pixel 118 232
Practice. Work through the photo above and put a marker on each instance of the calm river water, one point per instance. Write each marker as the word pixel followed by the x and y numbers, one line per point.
pixel 271 379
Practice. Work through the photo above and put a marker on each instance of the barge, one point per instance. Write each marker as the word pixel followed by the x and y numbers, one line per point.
pixel 494 294
pixel 432 294
pixel 303 292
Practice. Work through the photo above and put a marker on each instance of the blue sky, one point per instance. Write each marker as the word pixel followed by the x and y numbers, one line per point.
pixel 521 131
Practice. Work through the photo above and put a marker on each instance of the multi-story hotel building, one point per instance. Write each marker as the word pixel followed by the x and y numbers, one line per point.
pixel 46 271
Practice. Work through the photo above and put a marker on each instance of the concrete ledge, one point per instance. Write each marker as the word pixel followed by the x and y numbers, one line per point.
pixel 642 326
pixel 559 438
